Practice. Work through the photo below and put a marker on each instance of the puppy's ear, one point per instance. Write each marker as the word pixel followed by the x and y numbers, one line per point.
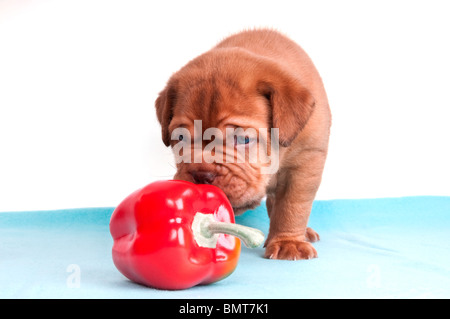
pixel 290 102
pixel 164 109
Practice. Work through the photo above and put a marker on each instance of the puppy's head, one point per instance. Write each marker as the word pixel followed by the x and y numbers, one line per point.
pixel 216 113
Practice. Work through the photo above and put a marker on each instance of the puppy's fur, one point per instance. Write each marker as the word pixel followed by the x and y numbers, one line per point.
pixel 257 79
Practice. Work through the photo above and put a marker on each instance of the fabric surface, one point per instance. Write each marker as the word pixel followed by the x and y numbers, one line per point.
pixel 374 248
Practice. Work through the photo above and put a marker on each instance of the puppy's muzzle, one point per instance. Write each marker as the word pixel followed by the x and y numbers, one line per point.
pixel 203 177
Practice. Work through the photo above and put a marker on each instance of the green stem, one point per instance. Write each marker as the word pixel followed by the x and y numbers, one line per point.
pixel 251 237
pixel 207 229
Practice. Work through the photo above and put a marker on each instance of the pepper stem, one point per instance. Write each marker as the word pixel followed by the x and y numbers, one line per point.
pixel 206 231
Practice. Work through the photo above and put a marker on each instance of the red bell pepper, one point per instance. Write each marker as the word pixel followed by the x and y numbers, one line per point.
pixel 176 234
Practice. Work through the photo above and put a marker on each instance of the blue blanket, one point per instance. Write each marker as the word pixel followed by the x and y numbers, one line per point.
pixel 374 248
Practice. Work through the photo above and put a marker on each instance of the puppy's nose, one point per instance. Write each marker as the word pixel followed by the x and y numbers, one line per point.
pixel 203 177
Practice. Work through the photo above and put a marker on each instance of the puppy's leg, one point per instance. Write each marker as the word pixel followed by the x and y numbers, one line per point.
pixel 311 235
pixel 290 206
pixel 270 200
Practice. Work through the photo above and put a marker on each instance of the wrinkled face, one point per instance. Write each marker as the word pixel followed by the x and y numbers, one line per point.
pixel 218 134
pixel 225 115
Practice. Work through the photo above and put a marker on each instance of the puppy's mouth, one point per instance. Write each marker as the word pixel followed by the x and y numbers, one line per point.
pixel 239 204
pixel 241 200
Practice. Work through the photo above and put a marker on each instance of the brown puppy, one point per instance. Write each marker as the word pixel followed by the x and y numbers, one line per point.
pixel 252 80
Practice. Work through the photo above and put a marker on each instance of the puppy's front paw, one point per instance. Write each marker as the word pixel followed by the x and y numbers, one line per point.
pixel 290 249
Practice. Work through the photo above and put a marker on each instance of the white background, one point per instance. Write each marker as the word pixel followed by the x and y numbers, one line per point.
pixel 78 80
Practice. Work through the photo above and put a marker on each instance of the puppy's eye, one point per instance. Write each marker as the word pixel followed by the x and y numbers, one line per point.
pixel 242 140
pixel 180 137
